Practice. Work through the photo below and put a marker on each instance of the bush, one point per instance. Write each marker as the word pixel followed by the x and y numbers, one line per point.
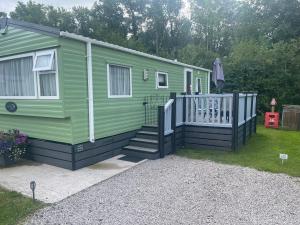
pixel 13 144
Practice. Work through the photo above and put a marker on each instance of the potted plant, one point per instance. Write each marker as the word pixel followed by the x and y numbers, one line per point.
pixel 13 146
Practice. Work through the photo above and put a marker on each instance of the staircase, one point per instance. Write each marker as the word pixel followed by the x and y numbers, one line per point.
pixel 145 144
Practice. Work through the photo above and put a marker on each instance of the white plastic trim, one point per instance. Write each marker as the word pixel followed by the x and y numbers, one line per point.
pixel 90 91
pixel 157 80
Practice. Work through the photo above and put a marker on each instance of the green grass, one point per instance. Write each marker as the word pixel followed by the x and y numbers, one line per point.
pixel 14 207
pixel 261 152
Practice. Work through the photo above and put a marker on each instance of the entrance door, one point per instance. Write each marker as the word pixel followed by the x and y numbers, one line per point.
pixel 188 78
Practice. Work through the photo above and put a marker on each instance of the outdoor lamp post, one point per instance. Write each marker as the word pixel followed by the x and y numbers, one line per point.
pixel 32 187
pixel 273 104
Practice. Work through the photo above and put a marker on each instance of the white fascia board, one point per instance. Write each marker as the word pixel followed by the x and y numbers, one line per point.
pixel 131 51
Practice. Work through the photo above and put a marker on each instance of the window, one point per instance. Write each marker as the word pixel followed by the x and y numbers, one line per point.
pixel 17 77
pixel 198 85
pixel 119 81
pixel 28 77
pixel 43 61
pixel 161 80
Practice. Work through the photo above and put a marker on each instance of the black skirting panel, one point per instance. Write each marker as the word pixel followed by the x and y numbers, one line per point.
pixel 245 131
pixel 57 154
pixel 74 157
pixel 203 137
pixel 90 153
pixel 179 137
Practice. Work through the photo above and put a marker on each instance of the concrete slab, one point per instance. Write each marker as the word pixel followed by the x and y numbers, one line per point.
pixel 53 184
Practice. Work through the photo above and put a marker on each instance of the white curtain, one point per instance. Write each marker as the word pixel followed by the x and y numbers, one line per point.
pixel 16 77
pixel 47 84
pixel 119 78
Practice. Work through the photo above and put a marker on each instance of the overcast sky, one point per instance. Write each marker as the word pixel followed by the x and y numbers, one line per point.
pixel 9 5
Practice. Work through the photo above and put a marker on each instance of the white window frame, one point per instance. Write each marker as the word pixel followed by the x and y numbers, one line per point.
pixel 196 85
pixel 40 73
pixel 36 78
pixel 108 81
pixel 42 53
pixel 157 80
pixel 184 79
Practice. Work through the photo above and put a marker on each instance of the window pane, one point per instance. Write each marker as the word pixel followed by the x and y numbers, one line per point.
pixel 43 61
pixel 47 84
pixel 162 80
pixel 16 77
pixel 119 80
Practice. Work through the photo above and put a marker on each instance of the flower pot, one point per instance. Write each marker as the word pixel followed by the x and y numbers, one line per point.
pixel 5 160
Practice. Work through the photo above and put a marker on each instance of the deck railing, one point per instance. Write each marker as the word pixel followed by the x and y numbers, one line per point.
pixel 208 110
pixel 214 109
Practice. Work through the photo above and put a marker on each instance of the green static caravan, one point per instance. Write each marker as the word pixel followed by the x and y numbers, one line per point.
pixel 80 100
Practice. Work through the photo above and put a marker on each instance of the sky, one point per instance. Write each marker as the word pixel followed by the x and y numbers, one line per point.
pixel 9 5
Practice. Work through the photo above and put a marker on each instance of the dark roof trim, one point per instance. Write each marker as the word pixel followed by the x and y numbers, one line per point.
pixel 29 26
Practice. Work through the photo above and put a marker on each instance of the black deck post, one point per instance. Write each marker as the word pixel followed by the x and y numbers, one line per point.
pixel 173 121
pixel 161 131
pixel 235 121
pixel 183 119
pixel 255 121
pixel 245 119
pixel 251 114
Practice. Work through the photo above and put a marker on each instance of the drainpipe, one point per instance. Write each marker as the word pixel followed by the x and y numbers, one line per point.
pixel 90 91
pixel 90 80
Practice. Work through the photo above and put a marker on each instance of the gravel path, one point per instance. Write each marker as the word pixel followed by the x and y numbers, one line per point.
pixel 177 190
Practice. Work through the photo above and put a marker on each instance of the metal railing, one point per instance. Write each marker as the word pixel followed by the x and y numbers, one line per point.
pixel 151 103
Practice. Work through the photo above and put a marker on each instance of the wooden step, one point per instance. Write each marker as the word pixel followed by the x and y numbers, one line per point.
pixel 147 135
pixel 141 152
pixel 144 140
pixel 150 128
pixel 148 132
pixel 142 149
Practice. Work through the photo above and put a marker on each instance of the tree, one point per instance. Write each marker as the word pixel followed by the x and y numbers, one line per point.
pixel 3 14
pixel 30 12
pixel 60 18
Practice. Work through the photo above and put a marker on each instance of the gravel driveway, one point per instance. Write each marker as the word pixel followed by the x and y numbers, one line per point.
pixel 177 190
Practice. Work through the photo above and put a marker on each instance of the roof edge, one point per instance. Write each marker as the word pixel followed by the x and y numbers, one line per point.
pixel 57 33
pixel 128 50
pixel 30 26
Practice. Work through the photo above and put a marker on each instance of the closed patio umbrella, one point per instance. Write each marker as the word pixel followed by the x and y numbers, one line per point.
pixel 218 74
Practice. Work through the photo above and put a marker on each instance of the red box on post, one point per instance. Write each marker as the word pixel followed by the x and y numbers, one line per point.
pixel 271 119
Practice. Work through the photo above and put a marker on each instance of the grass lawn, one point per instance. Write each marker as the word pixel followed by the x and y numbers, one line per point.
pixel 261 152
pixel 14 207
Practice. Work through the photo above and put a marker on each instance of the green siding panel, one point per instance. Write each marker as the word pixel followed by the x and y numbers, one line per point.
pixel 44 119
pixel 113 116
pixel 17 41
pixel 75 87
pixel 37 127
